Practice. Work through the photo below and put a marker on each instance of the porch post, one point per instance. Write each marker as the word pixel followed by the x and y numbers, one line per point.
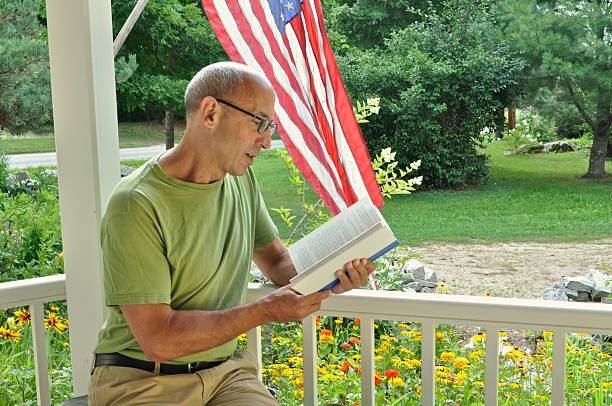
pixel 85 122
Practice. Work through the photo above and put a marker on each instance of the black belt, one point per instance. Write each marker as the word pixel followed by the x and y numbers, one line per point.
pixel 120 360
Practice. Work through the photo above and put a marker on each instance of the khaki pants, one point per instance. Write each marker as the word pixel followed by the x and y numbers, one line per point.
pixel 234 382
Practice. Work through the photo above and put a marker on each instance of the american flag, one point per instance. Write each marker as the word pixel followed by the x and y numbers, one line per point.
pixel 286 40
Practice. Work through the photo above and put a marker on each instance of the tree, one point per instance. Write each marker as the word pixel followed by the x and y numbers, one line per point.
pixel 569 47
pixel 25 86
pixel 440 82
pixel 172 40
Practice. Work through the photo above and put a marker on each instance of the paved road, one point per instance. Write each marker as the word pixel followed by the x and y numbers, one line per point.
pixel 50 159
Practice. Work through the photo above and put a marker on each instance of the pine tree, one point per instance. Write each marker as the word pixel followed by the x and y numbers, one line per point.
pixel 25 88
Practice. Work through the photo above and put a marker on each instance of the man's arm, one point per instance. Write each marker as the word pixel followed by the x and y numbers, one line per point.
pixel 274 261
pixel 164 333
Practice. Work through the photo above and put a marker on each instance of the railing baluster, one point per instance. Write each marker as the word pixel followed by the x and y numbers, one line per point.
pixel 309 348
pixel 41 359
pixel 367 361
pixel 428 353
pixel 558 368
pixel 254 348
pixel 491 365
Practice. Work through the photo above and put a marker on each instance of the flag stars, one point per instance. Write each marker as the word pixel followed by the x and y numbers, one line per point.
pixel 289 6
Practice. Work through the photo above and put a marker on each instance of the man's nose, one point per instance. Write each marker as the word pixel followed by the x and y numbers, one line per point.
pixel 266 140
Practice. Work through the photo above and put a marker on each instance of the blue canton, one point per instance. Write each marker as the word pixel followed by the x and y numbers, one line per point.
pixel 284 10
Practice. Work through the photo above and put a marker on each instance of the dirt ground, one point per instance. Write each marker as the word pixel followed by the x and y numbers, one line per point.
pixel 513 269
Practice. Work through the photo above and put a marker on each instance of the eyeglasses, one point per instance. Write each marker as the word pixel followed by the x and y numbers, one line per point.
pixel 265 124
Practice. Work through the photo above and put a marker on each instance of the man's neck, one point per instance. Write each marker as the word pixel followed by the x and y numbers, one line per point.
pixel 187 163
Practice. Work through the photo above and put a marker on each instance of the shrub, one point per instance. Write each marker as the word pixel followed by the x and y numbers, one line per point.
pixel 439 82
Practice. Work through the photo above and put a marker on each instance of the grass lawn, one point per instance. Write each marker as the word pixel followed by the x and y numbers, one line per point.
pixel 530 197
pixel 131 135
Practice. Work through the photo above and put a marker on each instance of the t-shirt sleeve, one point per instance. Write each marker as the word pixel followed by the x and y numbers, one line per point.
pixel 265 230
pixel 136 270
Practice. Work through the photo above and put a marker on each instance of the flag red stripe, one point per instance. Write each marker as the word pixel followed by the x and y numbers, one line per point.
pixel 286 100
pixel 295 153
pixel 350 127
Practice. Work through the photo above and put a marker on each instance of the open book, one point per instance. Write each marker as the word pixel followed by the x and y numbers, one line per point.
pixel 359 231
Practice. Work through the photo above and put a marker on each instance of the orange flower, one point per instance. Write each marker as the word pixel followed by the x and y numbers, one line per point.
pixel 325 336
pixel 345 367
pixel 391 373
pixel 23 316
pixel 378 379
pixel 355 340
pixel 357 320
pixel 318 320
pixel 346 346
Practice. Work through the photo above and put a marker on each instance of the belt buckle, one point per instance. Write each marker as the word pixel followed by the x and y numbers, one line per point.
pixel 191 367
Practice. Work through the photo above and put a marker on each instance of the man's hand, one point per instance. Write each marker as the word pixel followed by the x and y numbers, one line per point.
pixel 285 304
pixel 354 275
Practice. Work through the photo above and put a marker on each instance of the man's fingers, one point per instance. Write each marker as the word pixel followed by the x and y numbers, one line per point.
pixel 317 297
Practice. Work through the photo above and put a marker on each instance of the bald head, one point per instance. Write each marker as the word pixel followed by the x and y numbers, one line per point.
pixel 222 80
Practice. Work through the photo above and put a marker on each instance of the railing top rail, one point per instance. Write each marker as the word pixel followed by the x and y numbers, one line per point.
pixel 475 310
pixel 36 290
pixel 571 316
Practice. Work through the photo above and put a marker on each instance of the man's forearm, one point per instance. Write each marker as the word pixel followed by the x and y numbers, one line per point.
pixel 191 331
pixel 282 271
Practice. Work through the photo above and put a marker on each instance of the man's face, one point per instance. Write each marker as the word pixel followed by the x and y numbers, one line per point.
pixel 240 142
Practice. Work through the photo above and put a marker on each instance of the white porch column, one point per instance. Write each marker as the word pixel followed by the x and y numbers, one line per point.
pixel 85 121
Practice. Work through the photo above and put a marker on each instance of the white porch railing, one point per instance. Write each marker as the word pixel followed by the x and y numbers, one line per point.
pixel 494 314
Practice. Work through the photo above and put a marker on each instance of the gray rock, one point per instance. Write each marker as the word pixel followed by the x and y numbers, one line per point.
pixel 607 300
pixel 428 284
pixel 583 297
pixel 426 275
pixel 411 266
pixel 601 289
pixel 559 146
pixel 22 176
pixel 580 283
pixel 571 294
pixel 126 170
pixel 416 286
pixel 530 149
pixel 428 290
pixel 555 294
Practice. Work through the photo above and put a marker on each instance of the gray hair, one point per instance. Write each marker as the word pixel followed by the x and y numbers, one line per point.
pixel 219 80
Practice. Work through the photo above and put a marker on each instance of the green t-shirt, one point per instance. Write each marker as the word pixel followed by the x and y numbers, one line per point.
pixel 184 244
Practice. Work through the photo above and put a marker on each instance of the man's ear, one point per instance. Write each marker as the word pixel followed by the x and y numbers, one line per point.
pixel 210 111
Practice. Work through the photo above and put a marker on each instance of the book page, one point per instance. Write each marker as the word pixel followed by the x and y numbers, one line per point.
pixel 335 234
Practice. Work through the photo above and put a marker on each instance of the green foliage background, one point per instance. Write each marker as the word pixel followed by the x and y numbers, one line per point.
pixel 25 87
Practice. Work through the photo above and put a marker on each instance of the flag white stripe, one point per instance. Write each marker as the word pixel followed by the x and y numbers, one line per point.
pixel 345 152
pixel 324 177
pixel 283 81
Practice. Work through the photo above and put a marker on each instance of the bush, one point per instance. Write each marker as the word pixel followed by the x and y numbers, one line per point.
pixel 30 237
pixel 439 84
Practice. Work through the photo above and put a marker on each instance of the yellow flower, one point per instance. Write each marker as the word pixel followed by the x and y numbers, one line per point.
pixel 479 337
pixel 604 355
pixel 418 390
pixel 541 398
pixel 61 255
pixel 447 356
pixel 54 309
pixel 23 316
pixel 514 385
pixel 243 337
pixel 461 377
pixel 479 383
pixel 439 336
pixel 55 322
pixel 442 289
pixel 461 363
pixel 406 351
pixel 378 358
pixel 396 382
pixel 403 326
pixel 476 355
pixel 297 361
pixel 9 334
pixel 547 335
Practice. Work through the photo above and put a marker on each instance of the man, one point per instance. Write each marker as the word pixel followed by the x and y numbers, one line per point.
pixel 178 238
